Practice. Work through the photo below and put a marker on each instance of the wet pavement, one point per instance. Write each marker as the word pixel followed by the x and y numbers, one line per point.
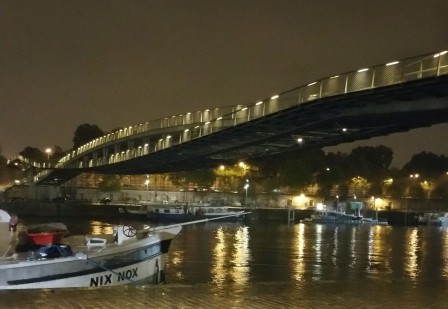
pixel 320 294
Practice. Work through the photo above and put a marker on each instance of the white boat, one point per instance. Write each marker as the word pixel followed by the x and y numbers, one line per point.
pixel 179 212
pixel 132 257
pixel 209 212
pixel 424 219
pixel 437 219
pixel 339 217
pixel 137 210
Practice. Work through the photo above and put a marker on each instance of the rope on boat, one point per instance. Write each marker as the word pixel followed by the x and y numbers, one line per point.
pixel 159 228
pixel 107 269
pixel 6 252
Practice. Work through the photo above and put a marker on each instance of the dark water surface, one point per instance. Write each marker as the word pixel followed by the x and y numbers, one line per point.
pixel 234 253
pixel 226 254
pixel 275 265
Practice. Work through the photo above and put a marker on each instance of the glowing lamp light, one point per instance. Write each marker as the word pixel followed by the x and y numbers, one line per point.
pixel 320 206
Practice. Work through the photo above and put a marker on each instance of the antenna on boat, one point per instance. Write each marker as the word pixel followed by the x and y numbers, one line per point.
pixel 160 228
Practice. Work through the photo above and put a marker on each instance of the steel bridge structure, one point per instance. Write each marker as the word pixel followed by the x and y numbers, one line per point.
pixel 373 101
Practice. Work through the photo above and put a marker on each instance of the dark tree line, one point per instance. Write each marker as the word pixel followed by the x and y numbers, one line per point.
pixel 83 134
pixel 365 171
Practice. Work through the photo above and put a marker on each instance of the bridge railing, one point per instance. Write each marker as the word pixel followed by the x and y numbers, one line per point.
pixel 186 127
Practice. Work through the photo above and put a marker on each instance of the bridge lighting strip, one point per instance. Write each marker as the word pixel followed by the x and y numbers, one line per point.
pixel 392 63
pixel 440 54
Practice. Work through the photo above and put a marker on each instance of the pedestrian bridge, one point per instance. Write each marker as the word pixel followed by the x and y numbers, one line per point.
pixel 372 101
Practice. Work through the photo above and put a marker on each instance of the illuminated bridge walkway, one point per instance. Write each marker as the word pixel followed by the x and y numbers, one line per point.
pixel 372 101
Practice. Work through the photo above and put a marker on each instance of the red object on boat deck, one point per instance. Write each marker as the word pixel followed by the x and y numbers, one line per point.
pixel 46 238
pixel 46 233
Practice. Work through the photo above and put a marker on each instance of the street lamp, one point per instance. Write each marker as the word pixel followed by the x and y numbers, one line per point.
pixel 246 186
pixel 48 152
pixel 374 208
pixel 147 185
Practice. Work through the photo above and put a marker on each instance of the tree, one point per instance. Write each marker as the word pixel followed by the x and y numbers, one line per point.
pixel 360 185
pixel 333 174
pixel 110 183
pixel 428 164
pixel 441 188
pixel 397 188
pixel 3 169
pixel 416 190
pixel 370 162
pixel 295 173
pixel 231 177
pixel 86 133
pixel 56 153
pixel 199 178
pixel 33 154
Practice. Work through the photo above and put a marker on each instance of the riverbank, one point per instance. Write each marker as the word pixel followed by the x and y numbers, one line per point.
pixel 97 210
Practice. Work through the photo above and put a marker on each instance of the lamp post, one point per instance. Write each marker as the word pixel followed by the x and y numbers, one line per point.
pixel 48 152
pixel 155 188
pixel 147 186
pixel 246 186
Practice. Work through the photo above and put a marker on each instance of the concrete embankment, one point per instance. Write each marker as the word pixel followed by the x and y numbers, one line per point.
pixel 62 209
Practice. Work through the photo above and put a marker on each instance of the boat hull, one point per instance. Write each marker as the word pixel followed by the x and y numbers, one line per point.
pixel 147 271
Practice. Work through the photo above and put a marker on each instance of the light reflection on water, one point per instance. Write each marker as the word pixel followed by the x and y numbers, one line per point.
pixel 412 249
pixel 236 254
pixel 100 228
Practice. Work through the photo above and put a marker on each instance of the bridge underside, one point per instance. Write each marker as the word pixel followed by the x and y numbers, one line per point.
pixel 319 123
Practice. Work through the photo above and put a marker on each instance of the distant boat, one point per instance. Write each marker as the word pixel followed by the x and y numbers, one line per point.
pixel 183 212
pixel 134 210
pixel 434 219
pixel 337 217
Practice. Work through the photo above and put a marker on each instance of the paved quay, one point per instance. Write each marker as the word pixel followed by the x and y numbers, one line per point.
pixel 270 295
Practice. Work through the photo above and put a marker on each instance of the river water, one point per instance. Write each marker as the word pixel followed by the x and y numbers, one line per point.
pixel 235 253
pixel 237 257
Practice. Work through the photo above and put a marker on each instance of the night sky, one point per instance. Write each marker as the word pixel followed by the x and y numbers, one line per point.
pixel 120 63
